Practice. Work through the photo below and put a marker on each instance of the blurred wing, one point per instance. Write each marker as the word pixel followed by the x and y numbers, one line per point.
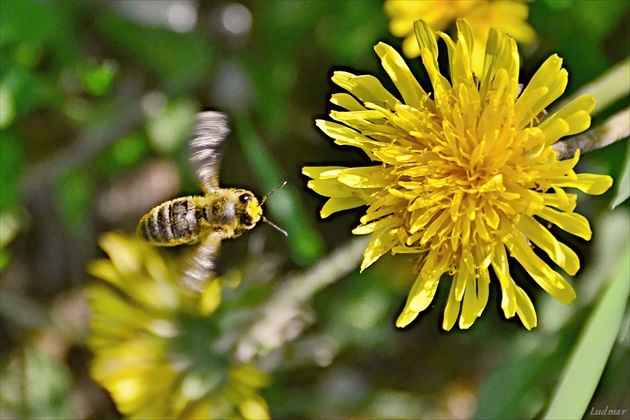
pixel 211 129
pixel 201 264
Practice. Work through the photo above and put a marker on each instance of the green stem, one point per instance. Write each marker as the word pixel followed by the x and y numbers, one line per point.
pixel 284 309
pixel 302 287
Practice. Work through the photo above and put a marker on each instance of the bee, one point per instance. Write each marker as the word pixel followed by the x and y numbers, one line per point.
pixel 221 213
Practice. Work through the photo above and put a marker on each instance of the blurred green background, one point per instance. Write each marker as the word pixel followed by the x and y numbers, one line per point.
pixel 96 103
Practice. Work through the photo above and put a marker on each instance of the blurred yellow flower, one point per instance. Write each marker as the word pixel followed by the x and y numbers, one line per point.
pixel 508 16
pixel 465 176
pixel 156 347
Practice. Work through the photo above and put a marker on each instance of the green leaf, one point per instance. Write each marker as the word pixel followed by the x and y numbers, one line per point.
pixel 623 183
pixel 98 78
pixel 584 368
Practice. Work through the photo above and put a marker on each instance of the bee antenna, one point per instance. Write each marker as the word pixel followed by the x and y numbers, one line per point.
pixel 273 225
pixel 271 192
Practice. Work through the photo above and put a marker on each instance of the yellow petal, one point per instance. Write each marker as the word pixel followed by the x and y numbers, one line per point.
pixel 361 120
pixel 525 309
pixel 589 183
pixel 105 270
pixel 406 317
pixel 561 255
pixel 124 256
pixel 346 136
pixel 474 302
pixel 422 292
pixel 420 297
pixel 429 54
pixel 575 116
pixel 500 67
pixel 210 298
pixel 346 101
pixel 459 55
pixel 365 87
pixel 330 188
pixel 340 204
pixel 502 270
pixel 426 38
pixel 381 243
pixel 511 18
pixel 548 83
pixel 376 226
pixel 410 46
pixel 400 74
pixel 323 172
pixel 554 129
pixel 451 311
pixel 552 282
pixel 365 177
pixel 249 375
pixel 573 223
pixel 560 200
pixel 465 35
pixel 254 408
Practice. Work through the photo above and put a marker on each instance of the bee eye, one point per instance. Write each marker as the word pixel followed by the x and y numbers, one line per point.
pixel 246 220
pixel 244 198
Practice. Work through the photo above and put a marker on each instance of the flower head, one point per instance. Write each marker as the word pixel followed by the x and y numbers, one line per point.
pixel 508 16
pixel 465 177
pixel 155 346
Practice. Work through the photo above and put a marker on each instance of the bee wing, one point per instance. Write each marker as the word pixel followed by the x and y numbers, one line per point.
pixel 201 265
pixel 210 131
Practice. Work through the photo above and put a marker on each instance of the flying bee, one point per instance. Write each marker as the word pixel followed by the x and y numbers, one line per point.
pixel 206 220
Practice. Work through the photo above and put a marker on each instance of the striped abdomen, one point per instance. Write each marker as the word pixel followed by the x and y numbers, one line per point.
pixel 174 222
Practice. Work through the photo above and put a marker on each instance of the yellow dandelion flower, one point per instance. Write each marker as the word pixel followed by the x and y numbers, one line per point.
pixel 466 176
pixel 508 16
pixel 155 346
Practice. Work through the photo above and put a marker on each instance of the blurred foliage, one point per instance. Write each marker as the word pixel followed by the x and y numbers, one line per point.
pixel 36 385
pixel 96 102
pixel 154 344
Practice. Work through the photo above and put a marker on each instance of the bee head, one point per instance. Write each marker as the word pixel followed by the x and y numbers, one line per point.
pixel 249 211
